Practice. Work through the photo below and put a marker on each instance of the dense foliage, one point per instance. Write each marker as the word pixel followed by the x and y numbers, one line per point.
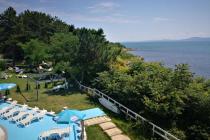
pixel 173 98
pixel 35 37
pixel 15 29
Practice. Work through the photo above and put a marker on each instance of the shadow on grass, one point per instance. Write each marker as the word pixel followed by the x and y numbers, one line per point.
pixel 62 92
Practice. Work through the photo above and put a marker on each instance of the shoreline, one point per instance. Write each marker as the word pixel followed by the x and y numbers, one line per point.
pixel 131 49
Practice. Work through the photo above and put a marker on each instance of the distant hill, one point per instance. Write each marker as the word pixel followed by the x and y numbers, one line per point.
pixel 171 40
pixel 196 39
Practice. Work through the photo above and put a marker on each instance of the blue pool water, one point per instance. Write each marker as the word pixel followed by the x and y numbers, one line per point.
pixel 5 86
pixel 32 131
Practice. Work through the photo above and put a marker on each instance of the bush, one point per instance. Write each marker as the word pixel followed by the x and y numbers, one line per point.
pixel 178 133
pixel 143 128
pixel 198 132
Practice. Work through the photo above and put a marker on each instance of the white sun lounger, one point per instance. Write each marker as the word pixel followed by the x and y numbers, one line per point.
pixel 62 132
pixel 27 120
pixel 40 115
pixel 19 117
pixel 32 117
pixel 22 115
pixel 7 108
pixel 13 111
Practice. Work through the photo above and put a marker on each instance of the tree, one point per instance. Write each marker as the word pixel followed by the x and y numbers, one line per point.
pixel 35 25
pixel 9 37
pixel 182 76
pixel 35 51
pixel 63 47
pixel 94 53
pixel 22 28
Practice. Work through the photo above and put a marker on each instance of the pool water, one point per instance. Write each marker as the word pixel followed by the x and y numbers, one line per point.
pixel 5 86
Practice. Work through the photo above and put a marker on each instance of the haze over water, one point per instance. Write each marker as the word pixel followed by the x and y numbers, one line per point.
pixel 194 53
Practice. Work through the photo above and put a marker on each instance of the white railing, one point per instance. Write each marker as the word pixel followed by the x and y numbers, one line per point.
pixel 129 113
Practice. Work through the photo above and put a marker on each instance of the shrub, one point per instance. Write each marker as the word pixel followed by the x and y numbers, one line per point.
pixel 178 133
pixel 198 132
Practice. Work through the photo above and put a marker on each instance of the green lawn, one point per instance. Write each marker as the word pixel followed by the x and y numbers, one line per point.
pixel 95 133
pixel 73 100
pixel 48 100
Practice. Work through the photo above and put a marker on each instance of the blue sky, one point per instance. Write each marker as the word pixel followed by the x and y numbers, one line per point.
pixel 128 20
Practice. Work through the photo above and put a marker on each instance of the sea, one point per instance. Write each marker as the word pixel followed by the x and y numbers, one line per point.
pixel 194 53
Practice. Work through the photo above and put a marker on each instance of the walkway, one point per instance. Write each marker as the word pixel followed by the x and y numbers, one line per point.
pixel 108 127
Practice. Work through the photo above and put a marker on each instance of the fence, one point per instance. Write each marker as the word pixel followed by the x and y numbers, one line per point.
pixel 129 113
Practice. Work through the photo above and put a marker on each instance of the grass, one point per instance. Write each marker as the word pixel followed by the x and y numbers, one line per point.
pixel 73 100
pixel 127 126
pixel 49 100
pixel 95 133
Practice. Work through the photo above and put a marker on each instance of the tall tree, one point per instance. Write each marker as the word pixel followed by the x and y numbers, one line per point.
pixel 94 52
pixel 36 25
pixel 182 76
pixel 9 37
pixel 62 50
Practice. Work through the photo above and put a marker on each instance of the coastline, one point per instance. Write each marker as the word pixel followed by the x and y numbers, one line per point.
pixel 130 49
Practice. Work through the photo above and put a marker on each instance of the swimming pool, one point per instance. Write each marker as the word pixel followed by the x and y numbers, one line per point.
pixel 32 131
pixel 6 86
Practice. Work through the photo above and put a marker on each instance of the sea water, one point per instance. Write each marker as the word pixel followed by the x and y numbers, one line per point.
pixel 194 53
